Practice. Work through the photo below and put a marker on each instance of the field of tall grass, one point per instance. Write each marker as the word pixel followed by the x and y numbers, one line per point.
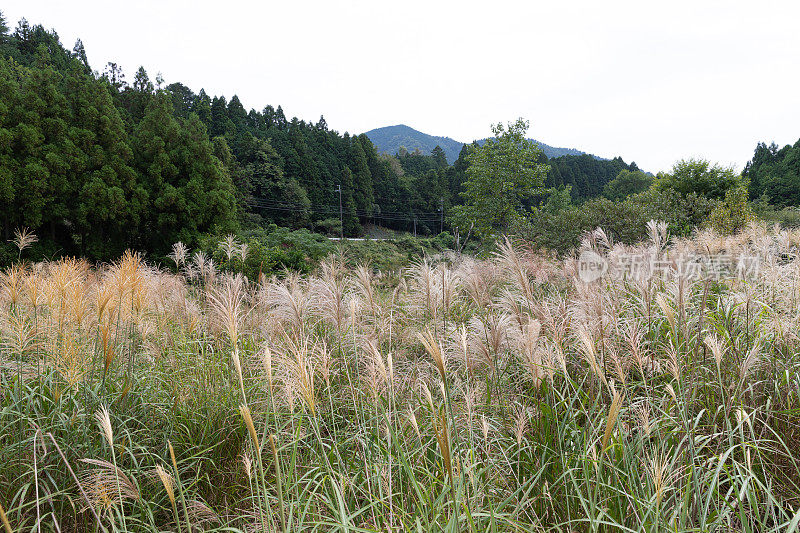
pixel 458 394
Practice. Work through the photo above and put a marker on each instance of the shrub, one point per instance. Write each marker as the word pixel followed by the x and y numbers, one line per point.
pixel 329 226
pixel 624 221
pixel 733 213
pixel 699 177
pixel 562 231
pixel 270 250
pixel 682 212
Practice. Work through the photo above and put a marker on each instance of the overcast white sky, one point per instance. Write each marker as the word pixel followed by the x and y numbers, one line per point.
pixel 652 82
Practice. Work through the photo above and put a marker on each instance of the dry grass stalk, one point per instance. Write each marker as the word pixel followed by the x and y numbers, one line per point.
pixel 443 439
pixel 4 520
pixel 251 428
pixel 107 485
pixel 167 482
pixel 613 414
pixel 496 316
pixel 434 349
pixel 103 418
pixel 23 239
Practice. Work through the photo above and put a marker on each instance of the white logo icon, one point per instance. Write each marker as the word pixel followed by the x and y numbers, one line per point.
pixel 591 266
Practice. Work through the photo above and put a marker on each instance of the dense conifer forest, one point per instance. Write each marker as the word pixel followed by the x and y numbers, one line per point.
pixel 96 162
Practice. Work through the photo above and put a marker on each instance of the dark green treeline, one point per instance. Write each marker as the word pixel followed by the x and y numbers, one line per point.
pixel 95 163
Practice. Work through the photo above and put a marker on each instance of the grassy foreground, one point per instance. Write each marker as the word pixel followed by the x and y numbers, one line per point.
pixel 460 395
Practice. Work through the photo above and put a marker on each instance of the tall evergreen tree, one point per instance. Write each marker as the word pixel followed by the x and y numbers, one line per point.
pixel 136 97
pixel 237 114
pixel 363 193
pixel 108 199
pixel 48 158
pixel 188 190
pixel 183 100
pixel 3 27
pixel 115 76
pixel 12 130
pixel 300 166
pixel 439 157
pixel 220 123
pixel 457 174
pixel 350 221
pixel 280 119
pixel 384 182
pixel 202 107
pixel 80 53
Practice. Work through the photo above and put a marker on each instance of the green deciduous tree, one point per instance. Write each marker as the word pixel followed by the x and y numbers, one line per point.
pixel 272 191
pixel 627 183
pixel 733 213
pixel 502 174
pixel 700 177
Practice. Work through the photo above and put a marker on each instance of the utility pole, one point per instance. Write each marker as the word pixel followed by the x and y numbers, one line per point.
pixel 415 226
pixel 441 215
pixel 341 218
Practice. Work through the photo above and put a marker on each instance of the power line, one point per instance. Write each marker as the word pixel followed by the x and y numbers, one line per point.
pixel 335 209
pixel 408 218
pixel 434 216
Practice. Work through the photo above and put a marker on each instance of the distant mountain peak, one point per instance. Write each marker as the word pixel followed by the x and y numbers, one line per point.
pixel 389 139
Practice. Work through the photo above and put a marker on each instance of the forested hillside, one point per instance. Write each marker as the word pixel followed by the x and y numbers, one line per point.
pixel 586 174
pixel 393 139
pixel 96 163
pixel 774 174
